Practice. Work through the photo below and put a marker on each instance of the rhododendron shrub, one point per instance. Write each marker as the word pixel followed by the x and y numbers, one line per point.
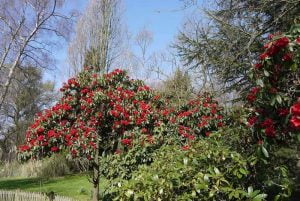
pixel 276 89
pixel 197 118
pixel 95 113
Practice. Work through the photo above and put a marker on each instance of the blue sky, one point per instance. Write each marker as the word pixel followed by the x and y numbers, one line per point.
pixel 162 17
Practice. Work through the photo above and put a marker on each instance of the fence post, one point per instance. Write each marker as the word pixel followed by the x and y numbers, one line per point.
pixel 51 195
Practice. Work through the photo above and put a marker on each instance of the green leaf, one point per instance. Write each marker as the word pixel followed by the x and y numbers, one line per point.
pixel 206 178
pixel 294 67
pixel 260 82
pixel 273 101
pixel 211 193
pixel 298 137
pixel 243 171
pixel 265 152
pixel 217 171
pixel 267 74
pixel 251 75
pixel 260 197
pixel 277 197
pixel 250 190
pixel 185 161
pixel 129 193
pixel 279 99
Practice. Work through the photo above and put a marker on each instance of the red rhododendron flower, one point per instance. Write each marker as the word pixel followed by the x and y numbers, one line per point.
pixel 93 144
pixel 125 122
pixel 114 113
pixel 40 130
pixel 54 149
pixel 258 66
pixel 273 50
pixel 287 57
pixel 165 112
pixel 32 142
pixel 207 134
pixel 191 137
pixel 295 121
pixel 84 91
pixel 185 148
pixel 251 98
pixel 267 45
pixel 270 131
pixel 295 109
pixel 298 40
pixel 202 124
pixel 283 112
pixel 267 123
pixel 24 148
pixel 51 133
pixel 252 120
pixel 144 130
pixel 126 141
pixel 41 138
pixel 156 97
pixel 263 56
pixel 282 42
pixel 74 152
pixel 255 90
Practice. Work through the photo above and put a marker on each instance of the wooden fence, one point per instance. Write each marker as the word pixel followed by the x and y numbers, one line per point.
pixel 30 196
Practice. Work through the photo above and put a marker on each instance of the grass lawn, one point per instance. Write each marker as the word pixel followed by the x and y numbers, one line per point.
pixel 75 186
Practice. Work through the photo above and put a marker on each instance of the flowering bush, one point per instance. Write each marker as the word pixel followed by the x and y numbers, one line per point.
pixel 276 79
pixel 95 113
pixel 196 119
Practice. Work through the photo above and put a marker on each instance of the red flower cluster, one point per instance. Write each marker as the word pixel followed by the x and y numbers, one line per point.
pixel 251 97
pixel 268 124
pixel 295 111
pixel 126 141
pixel 252 120
pixel 204 115
pixel 272 97
pixel 274 47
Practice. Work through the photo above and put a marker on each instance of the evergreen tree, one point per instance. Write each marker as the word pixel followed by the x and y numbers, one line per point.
pixel 178 88
pixel 228 47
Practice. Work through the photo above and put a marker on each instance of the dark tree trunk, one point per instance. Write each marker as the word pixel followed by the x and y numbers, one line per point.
pixel 96 174
pixel 96 179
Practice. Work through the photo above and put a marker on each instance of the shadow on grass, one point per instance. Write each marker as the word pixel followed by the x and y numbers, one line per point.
pixel 21 183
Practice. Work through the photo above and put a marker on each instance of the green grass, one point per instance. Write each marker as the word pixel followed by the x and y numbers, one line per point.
pixel 75 186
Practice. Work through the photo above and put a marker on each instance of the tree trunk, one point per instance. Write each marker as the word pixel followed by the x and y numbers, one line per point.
pixel 96 195
pixel 96 173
